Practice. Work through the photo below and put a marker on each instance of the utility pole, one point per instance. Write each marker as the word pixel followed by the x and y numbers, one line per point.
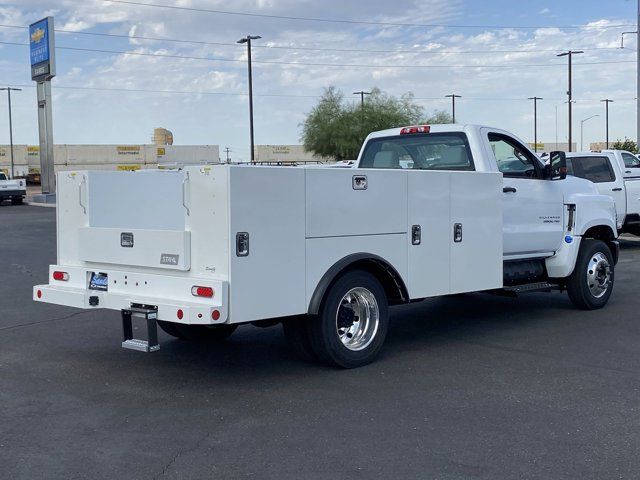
pixel 582 130
pixel 607 102
pixel 227 150
pixel 535 121
pixel 9 89
pixel 453 97
pixel 638 79
pixel 247 40
pixel 570 54
pixel 362 93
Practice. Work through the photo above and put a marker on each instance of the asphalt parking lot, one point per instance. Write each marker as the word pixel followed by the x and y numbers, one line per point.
pixel 475 386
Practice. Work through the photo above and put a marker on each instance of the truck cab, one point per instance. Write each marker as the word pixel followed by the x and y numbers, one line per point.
pixel 535 201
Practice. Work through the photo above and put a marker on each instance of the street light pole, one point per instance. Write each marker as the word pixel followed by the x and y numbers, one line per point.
pixel 453 97
pixel 607 102
pixel 362 93
pixel 582 130
pixel 247 40
pixel 535 121
pixel 570 54
pixel 9 89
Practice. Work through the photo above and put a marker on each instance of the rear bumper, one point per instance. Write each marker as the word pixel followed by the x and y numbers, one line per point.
pixel 12 193
pixel 170 294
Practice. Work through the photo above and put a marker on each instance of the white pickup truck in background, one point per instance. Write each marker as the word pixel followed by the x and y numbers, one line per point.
pixel 14 190
pixel 427 211
pixel 612 177
pixel 629 163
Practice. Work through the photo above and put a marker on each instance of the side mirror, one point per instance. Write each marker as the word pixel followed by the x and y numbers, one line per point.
pixel 557 168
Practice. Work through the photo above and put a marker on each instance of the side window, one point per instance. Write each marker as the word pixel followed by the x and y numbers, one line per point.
pixel 630 161
pixel 595 169
pixel 2 176
pixel 513 159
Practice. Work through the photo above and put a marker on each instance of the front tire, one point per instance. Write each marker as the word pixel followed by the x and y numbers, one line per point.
pixel 591 283
pixel 352 324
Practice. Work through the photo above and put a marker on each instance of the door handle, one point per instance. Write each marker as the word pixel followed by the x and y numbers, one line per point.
pixel 416 235
pixel 616 189
pixel 509 190
pixel 457 232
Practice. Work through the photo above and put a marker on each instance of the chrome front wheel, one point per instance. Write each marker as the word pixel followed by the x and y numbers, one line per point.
pixel 598 275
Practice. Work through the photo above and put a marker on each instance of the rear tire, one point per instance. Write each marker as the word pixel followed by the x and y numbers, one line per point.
pixel 16 201
pixel 352 324
pixel 205 333
pixel 591 283
pixel 296 331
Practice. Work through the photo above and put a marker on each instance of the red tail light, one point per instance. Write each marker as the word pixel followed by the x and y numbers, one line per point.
pixel 202 292
pixel 416 129
pixel 61 276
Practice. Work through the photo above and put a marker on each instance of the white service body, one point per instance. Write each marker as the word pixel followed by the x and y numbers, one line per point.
pixel 157 234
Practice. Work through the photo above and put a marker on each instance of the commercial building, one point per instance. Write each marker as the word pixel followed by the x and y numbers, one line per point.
pixel 552 146
pixel 106 157
pixel 286 154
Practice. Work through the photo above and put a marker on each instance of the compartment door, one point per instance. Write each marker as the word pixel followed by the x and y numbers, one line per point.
pixel 476 231
pixel 429 209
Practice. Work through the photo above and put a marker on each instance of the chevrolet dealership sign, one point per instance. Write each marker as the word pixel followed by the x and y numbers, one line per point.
pixel 42 50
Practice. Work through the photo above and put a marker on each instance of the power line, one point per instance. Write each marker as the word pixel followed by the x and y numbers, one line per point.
pixel 317 64
pixel 402 49
pixel 277 95
pixel 362 22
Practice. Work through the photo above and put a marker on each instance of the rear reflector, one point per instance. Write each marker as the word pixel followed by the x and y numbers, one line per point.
pixel 215 314
pixel 416 129
pixel 39 293
pixel 180 314
pixel 61 276
pixel 202 292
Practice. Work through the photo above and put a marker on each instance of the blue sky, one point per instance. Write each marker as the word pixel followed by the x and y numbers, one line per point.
pixel 485 65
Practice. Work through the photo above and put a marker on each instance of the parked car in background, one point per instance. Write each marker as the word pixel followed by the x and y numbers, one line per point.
pixel 608 171
pixel 629 163
pixel 14 190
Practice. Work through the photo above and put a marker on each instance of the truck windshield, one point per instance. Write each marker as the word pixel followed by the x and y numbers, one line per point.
pixel 432 151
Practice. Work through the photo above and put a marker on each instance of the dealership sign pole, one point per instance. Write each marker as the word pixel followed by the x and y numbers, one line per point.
pixel 43 69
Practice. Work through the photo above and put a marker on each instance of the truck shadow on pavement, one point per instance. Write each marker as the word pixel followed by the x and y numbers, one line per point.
pixel 417 327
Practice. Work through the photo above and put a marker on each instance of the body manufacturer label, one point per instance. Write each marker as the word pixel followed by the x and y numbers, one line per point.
pixel 169 259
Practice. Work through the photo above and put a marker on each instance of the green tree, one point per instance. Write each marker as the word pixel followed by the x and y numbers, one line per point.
pixel 628 145
pixel 335 128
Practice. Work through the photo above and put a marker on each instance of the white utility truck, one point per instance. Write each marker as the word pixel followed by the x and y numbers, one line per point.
pixel 427 211
pixel 608 171
pixel 14 190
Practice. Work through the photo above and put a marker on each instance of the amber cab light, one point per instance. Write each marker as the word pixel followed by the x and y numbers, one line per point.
pixel 202 292
pixel 61 276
